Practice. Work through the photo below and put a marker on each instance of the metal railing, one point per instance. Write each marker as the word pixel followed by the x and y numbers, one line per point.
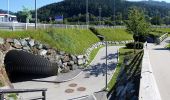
pixel 7 91
pixel 25 26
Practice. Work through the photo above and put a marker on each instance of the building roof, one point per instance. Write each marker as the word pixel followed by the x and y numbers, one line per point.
pixel 7 15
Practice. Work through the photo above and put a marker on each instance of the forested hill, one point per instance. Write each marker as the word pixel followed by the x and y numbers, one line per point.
pixel 77 8
pixel 2 11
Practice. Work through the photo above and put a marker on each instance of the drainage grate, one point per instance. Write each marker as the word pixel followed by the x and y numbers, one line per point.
pixel 73 85
pixel 81 89
pixel 69 90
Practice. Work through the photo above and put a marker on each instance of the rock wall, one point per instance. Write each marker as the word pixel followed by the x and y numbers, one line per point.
pixel 65 61
pixel 89 50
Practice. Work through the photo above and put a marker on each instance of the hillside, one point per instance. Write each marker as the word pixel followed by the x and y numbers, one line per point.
pixel 75 10
pixel 74 41
pixel 115 34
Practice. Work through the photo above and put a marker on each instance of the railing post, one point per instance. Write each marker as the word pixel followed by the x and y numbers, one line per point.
pixel 26 26
pixel 2 96
pixel 44 95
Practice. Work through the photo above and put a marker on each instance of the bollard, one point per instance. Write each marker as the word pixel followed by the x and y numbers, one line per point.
pixel 44 95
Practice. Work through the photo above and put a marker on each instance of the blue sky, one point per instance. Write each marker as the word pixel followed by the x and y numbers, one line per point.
pixel 17 5
pixel 154 0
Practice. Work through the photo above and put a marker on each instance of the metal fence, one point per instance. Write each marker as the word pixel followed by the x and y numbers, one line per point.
pixel 25 26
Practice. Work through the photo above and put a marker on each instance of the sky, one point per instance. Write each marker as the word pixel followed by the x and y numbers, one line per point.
pixel 154 0
pixel 17 5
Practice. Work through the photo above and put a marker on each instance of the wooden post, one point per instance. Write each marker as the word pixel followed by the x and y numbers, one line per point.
pixel 44 95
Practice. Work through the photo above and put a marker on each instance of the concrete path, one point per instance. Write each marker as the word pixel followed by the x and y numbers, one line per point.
pixel 89 81
pixel 61 77
pixel 160 63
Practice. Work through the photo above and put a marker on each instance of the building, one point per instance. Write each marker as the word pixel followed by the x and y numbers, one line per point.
pixel 8 18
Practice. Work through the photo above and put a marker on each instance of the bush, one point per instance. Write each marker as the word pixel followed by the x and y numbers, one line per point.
pixel 139 38
pixel 132 45
pixel 96 32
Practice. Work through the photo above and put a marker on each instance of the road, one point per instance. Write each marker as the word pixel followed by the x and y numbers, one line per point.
pixel 89 81
pixel 160 63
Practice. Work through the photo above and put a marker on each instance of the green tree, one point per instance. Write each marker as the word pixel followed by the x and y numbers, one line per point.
pixel 137 25
pixel 156 20
pixel 166 20
pixel 24 15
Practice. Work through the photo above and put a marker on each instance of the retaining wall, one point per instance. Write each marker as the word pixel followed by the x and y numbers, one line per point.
pixel 148 86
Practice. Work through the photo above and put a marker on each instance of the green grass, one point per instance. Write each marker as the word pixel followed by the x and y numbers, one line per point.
pixel 115 34
pixel 13 96
pixel 123 52
pixel 160 31
pixel 74 41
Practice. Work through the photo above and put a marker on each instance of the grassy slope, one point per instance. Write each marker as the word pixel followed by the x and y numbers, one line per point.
pixel 115 34
pixel 161 31
pixel 73 41
pixel 122 53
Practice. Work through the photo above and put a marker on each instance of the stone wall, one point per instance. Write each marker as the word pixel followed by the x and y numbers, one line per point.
pixel 89 50
pixel 65 61
pixel 161 38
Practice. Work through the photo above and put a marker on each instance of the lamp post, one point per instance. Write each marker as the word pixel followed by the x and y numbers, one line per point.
pixel 8 12
pixel 87 13
pixel 100 11
pixel 35 14
pixel 103 39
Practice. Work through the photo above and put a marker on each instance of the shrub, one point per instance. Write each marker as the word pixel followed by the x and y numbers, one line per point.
pixel 95 32
pixel 139 38
pixel 132 45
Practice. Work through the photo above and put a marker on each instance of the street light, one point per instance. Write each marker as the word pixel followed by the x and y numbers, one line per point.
pixel 103 39
pixel 100 11
pixel 8 12
pixel 87 13
pixel 35 14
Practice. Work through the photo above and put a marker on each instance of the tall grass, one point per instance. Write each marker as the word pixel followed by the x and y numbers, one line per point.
pixel 74 41
pixel 165 30
pixel 115 34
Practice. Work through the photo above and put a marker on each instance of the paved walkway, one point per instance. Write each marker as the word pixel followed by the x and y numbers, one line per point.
pixel 160 62
pixel 61 77
pixel 89 81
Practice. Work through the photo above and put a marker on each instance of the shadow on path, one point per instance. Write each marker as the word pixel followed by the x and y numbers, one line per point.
pixel 110 56
pixel 100 68
pixel 161 49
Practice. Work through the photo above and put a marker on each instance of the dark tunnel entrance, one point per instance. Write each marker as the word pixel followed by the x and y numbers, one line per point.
pixel 24 66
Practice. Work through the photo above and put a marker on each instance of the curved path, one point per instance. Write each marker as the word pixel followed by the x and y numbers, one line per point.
pixel 91 79
pixel 160 63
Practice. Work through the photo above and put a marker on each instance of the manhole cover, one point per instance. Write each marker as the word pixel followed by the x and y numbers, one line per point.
pixel 69 91
pixel 73 85
pixel 81 89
